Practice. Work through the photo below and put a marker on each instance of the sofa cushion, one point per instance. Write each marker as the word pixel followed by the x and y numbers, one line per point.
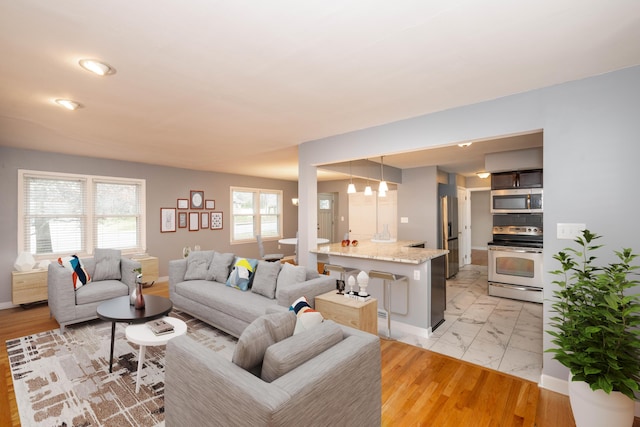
pixel 101 291
pixel 242 273
pixel 107 264
pixel 198 265
pixel 264 282
pixel 288 354
pixel 79 275
pixel 266 330
pixel 290 275
pixel 306 316
pixel 219 268
pixel 245 306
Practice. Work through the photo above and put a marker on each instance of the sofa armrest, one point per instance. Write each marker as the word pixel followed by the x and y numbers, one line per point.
pixel 177 270
pixel 309 289
pixel 60 292
pixel 128 275
pixel 202 387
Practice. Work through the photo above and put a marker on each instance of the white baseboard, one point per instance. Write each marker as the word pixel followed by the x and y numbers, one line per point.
pixel 6 305
pixel 479 248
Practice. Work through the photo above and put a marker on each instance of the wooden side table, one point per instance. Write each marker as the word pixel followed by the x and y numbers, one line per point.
pixel 149 266
pixel 361 315
pixel 29 286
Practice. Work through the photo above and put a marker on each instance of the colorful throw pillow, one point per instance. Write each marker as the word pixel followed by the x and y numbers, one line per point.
pixel 107 264
pixel 307 317
pixel 79 274
pixel 242 273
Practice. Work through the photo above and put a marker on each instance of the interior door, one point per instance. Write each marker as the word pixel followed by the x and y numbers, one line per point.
pixel 326 203
pixel 464 230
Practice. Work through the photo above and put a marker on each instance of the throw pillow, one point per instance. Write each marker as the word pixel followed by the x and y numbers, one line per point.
pixel 198 265
pixel 290 275
pixel 266 330
pixel 306 316
pixel 264 283
pixel 79 274
pixel 219 268
pixel 286 355
pixel 242 273
pixel 107 264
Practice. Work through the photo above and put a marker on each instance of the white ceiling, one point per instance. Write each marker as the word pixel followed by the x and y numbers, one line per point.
pixel 234 86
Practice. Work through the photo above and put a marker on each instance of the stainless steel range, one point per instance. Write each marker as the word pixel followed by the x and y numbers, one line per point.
pixel 515 257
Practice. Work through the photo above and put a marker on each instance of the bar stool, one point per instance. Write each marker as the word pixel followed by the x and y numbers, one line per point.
pixel 344 272
pixel 387 280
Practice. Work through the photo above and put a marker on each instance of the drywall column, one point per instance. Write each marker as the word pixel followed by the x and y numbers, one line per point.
pixel 307 208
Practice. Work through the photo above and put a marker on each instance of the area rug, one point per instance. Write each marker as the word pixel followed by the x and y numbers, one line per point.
pixel 64 380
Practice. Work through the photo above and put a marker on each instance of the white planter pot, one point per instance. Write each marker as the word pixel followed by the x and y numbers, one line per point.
pixel 596 408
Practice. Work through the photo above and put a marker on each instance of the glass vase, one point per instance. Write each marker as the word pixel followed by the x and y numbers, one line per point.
pixel 139 304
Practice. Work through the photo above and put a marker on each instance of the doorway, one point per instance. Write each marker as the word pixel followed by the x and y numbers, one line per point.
pixel 326 209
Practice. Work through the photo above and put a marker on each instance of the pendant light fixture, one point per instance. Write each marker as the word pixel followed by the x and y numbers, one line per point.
pixel 351 188
pixel 367 189
pixel 382 188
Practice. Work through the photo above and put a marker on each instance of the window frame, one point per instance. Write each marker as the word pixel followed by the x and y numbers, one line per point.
pixel 89 216
pixel 257 215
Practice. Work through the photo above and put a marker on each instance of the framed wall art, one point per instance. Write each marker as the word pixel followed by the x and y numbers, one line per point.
pixel 167 220
pixel 194 221
pixel 204 220
pixel 197 199
pixel 182 219
pixel 183 203
pixel 209 204
pixel 216 220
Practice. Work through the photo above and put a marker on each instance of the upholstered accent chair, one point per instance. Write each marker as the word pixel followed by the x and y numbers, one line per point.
pixel 111 276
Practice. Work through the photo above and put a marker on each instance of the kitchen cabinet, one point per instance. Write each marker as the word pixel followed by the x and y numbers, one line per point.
pixel 517 179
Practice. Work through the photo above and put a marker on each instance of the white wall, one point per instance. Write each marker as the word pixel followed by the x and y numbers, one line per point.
pixel 591 152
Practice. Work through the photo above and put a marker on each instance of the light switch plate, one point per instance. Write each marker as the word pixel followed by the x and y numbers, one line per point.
pixel 569 231
pixel 404 220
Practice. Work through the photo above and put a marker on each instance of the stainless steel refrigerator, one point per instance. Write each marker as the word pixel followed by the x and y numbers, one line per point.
pixel 449 219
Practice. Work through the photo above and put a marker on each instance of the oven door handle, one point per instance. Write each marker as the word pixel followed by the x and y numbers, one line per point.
pixel 521 251
pixel 516 287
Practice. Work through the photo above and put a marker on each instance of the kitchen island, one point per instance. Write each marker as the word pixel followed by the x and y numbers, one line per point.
pixel 417 306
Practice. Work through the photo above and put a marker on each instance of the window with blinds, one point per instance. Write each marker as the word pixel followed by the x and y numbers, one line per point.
pixel 255 211
pixel 73 214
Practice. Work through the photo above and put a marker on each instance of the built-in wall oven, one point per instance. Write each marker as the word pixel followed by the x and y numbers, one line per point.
pixel 515 268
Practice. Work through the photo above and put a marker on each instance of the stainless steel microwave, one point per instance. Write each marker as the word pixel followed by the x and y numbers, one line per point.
pixel 521 200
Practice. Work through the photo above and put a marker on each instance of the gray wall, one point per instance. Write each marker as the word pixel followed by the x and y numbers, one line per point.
pixel 481 219
pixel 164 186
pixel 417 199
pixel 591 152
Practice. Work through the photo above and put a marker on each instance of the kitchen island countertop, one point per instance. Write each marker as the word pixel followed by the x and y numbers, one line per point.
pixel 399 251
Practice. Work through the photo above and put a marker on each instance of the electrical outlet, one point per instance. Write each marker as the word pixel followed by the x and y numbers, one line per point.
pixel 569 231
pixel 416 274
pixel 404 220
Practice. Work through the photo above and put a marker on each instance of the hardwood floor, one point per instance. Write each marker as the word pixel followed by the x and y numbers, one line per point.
pixel 419 387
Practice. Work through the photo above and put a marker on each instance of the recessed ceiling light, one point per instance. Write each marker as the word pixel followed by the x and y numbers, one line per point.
pixel 483 175
pixel 97 67
pixel 68 104
pixel 465 144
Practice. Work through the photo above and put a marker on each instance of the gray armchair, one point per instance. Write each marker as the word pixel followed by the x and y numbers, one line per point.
pixel 71 306
pixel 340 386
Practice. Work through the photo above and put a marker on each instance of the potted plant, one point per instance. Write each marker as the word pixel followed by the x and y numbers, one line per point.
pixel 595 328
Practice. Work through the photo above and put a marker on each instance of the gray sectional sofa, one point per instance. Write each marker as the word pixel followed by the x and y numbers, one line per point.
pixel 198 286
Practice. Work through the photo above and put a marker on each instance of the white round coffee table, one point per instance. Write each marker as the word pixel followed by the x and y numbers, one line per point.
pixel 143 336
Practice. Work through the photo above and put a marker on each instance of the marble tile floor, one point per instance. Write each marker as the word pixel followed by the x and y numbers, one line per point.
pixel 498 333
